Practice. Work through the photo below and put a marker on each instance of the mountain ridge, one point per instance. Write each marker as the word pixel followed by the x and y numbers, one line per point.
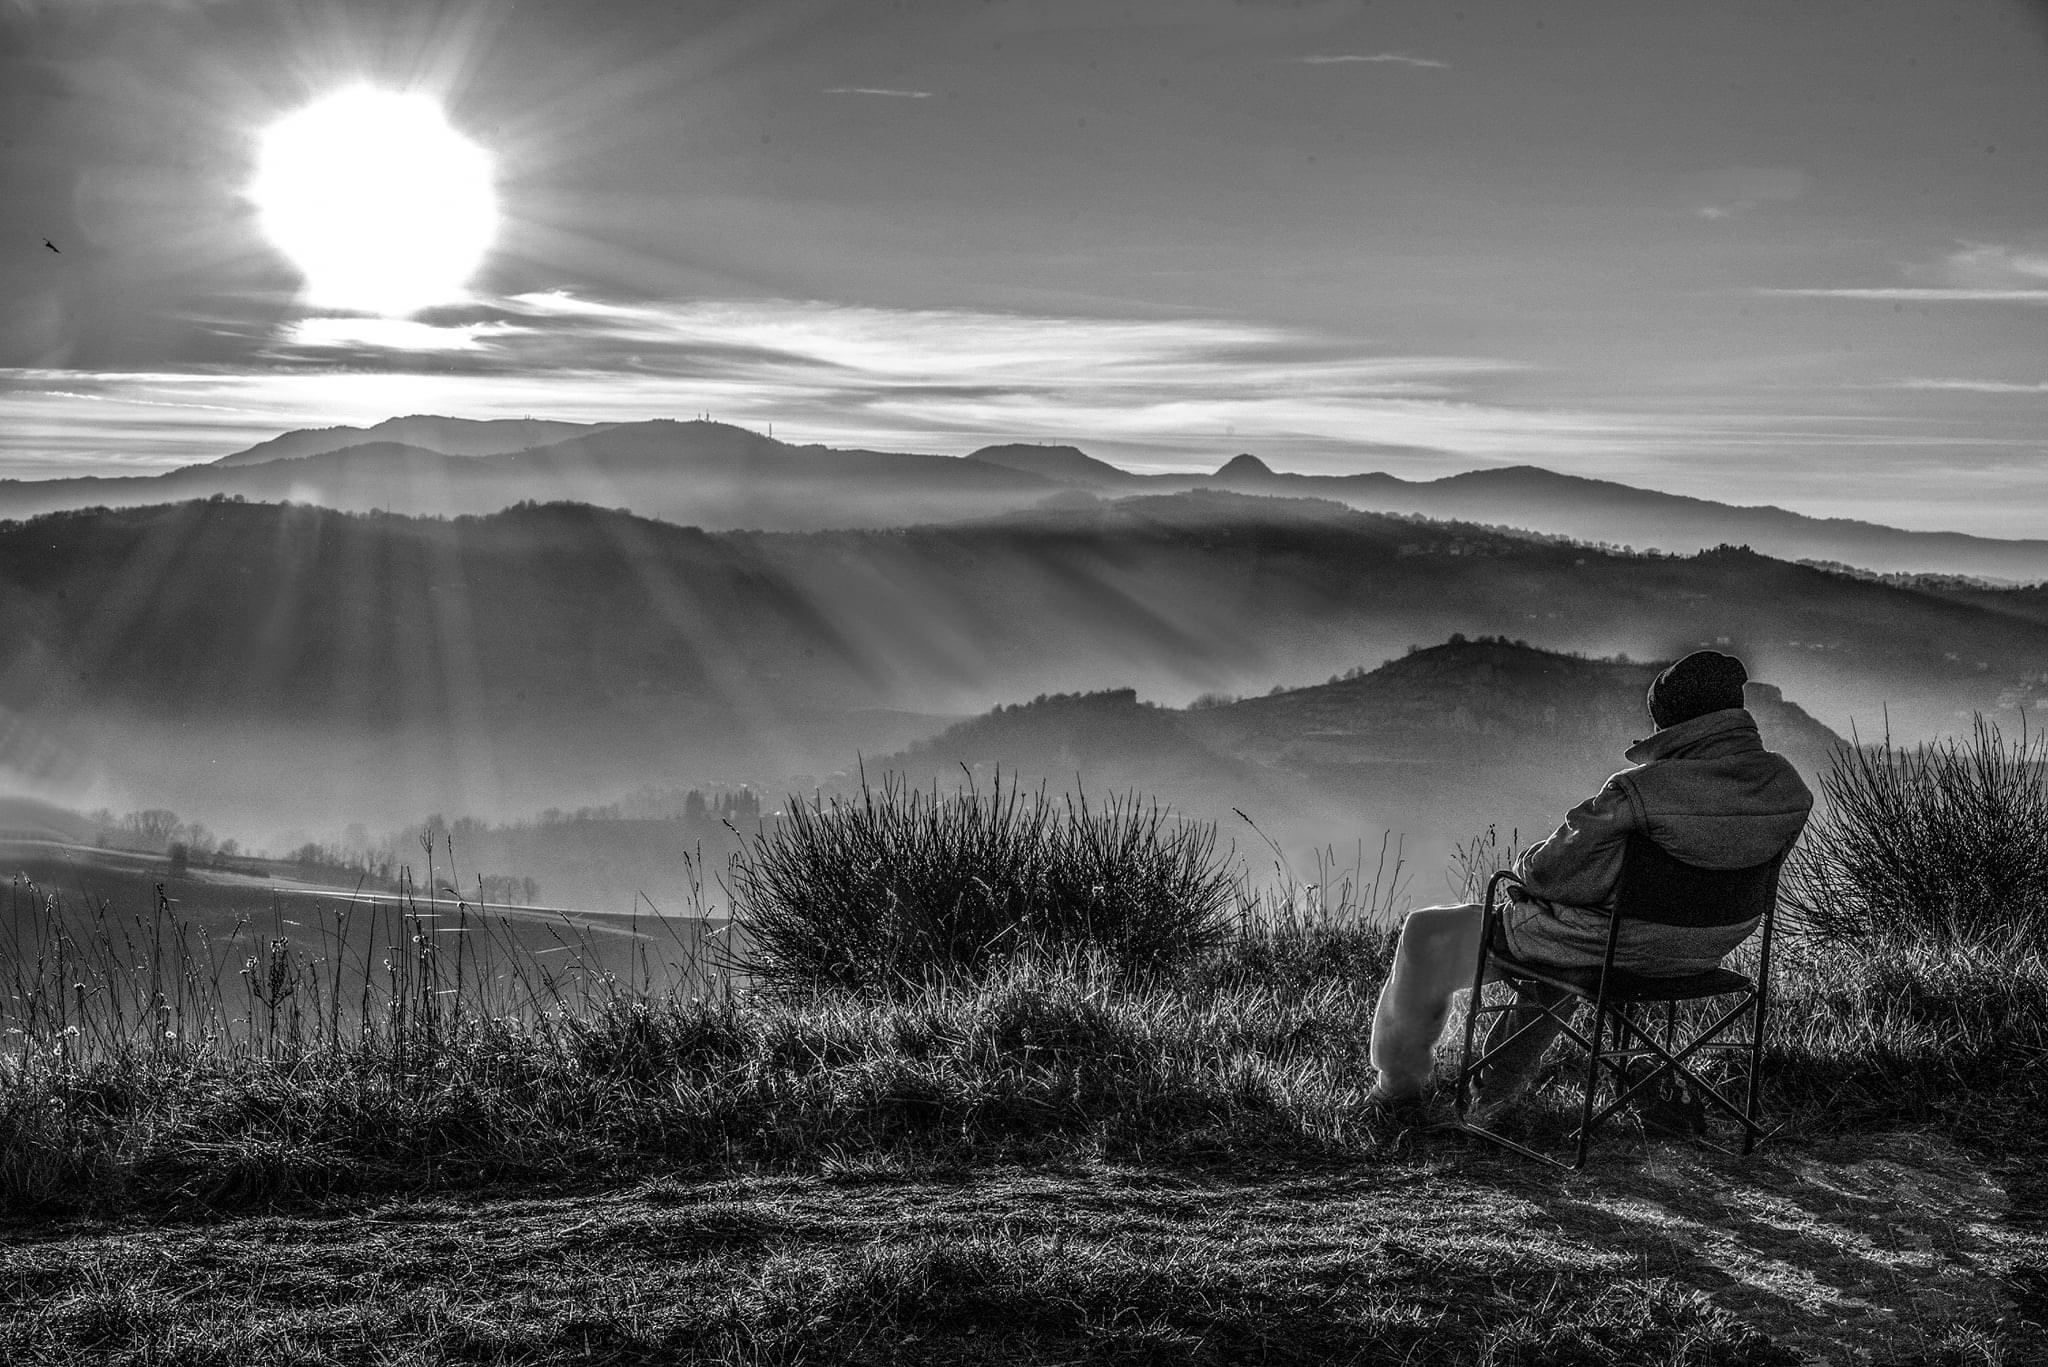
pixel 1068 464
pixel 744 479
pixel 449 436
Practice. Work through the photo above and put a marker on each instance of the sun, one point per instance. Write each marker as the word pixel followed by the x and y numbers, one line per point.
pixel 379 202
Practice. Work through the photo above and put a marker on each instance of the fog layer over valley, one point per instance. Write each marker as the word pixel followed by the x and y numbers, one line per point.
pixel 265 667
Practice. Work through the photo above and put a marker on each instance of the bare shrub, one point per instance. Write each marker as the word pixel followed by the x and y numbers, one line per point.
pixel 1946 841
pixel 898 886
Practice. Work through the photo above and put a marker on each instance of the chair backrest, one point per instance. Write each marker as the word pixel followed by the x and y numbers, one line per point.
pixel 1659 888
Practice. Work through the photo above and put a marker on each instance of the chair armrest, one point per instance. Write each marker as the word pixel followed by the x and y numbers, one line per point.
pixel 1500 878
pixel 1490 908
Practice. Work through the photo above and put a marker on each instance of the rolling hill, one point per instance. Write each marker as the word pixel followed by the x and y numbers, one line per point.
pixel 1489 703
pixel 1062 464
pixel 301 613
pixel 552 654
pixel 1435 744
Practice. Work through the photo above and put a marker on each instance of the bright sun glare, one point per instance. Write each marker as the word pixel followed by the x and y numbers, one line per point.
pixel 381 204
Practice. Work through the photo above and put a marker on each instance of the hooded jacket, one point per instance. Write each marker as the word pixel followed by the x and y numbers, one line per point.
pixel 1705 790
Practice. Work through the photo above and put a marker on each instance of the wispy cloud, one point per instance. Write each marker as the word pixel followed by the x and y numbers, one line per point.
pixel 1991 265
pixel 881 346
pixel 947 377
pixel 1976 386
pixel 129 400
pixel 1974 273
pixel 878 90
pixel 1233 17
pixel 1736 190
pixel 392 334
pixel 1169 390
pixel 1362 58
pixel 1908 294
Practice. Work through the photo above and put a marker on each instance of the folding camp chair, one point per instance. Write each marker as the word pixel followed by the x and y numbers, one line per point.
pixel 1621 1050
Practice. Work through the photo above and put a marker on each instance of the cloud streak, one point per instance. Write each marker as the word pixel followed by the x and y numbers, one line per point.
pixel 1921 294
pixel 1990 265
pixel 1164 392
pixel 406 335
pixel 1363 58
pixel 1974 273
pixel 878 90
pixel 1975 386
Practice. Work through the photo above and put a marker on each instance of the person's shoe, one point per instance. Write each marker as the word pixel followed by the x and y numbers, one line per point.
pixel 1498 1110
pixel 1499 1096
pixel 1395 1112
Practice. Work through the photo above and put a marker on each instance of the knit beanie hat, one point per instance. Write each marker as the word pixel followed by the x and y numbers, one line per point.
pixel 1704 681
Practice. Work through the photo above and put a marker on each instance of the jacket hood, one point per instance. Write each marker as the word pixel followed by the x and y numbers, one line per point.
pixel 1727 731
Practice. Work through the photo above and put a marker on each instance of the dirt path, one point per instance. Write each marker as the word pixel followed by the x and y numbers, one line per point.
pixel 1889 1249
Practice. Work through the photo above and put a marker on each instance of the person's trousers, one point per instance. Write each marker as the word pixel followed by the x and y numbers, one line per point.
pixel 1433 962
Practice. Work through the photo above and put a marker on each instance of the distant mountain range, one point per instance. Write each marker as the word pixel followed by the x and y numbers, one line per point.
pixel 694 474
pixel 556 654
pixel 1601 510
pixel 720 477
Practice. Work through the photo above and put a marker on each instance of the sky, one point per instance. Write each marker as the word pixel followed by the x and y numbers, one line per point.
pixel 1762 253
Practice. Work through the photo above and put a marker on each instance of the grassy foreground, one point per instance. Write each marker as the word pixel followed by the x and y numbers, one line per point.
pixel 887 1261
pixel 1256 1054
pixel 408 1139
pixel 1050 1166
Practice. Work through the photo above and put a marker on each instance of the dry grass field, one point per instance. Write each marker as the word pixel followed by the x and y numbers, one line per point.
pixel 1145 1142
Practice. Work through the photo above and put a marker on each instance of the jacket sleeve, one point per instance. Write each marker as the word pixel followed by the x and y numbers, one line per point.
pixel 1579 864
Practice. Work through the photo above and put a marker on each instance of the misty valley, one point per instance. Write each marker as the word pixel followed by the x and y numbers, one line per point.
pixel 446 629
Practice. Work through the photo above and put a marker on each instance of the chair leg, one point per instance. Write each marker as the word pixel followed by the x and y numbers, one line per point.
pixel 1617 1038
pixel 1470 1066
pixel 1675 1063
pixel 1517 1037
pixel 1632 1042
pixel 1593 1060
pixel 1751 1129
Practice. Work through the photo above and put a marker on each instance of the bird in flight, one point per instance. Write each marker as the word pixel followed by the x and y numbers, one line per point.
pixel 51 245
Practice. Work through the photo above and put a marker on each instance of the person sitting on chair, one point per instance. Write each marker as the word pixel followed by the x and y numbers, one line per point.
pixel 1704 788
